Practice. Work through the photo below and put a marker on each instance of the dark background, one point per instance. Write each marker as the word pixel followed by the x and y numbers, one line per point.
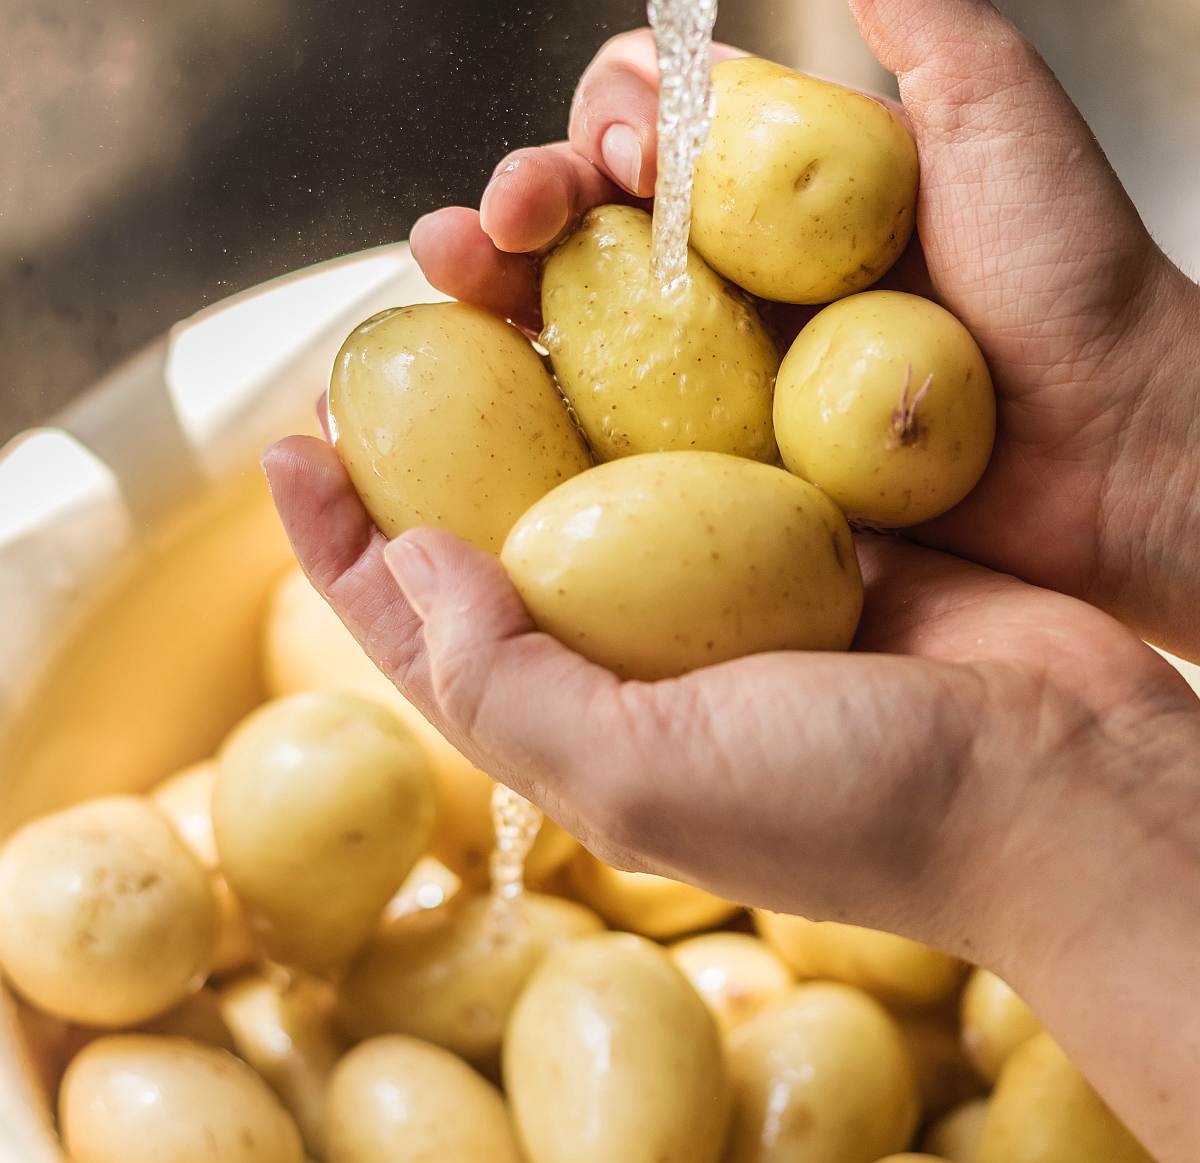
pixel 158 155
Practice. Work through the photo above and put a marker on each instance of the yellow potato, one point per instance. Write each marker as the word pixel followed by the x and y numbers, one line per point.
pixel 955 1136
pixel 736 975
pixel 995 1023
pixel 1044 1111
pixel 286 1031
pixel 945 1076
pixel 885 402
pixel 648 371
pixel 610 1055
pixel 56 1043
pixel 399 1100
pixel 186 800
pixel 451 975
pixel 912 1157
pixel 894 969
pixel 821 1075
pixel 323 803
pixel 134 1098
pixel 307 648
pixel 430 885
pixel 444 415
pixel 806 191
pixel 656 565
pixel 639 902
pixel 105 917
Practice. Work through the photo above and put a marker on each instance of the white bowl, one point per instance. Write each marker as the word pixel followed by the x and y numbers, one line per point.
pixel 137 544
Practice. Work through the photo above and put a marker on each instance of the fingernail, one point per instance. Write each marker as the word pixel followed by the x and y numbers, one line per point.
pixel 414 571
pixel 621 150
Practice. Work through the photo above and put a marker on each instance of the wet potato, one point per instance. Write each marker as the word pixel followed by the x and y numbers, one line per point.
pixel 655 565
pixel 106 918
pixel 323 803
pixel 444 415
pixel 645 370
pixel 806 191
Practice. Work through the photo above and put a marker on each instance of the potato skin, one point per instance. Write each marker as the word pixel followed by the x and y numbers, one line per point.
pixel 640 902
pixel 898 971
pixel 611 1055
pixel 806 191
pixel 323 803
pixel 655 565
pixel 399 1100
pixel 306 648
pixel 647 371
pixel 885 402
pixel 106 918
pixel 1043 1110
pixel 451 975
pixel 444 415
pixel 135 1098
pixel 996 1023
pixel 821 1075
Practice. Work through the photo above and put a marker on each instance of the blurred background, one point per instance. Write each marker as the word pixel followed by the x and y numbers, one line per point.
pixel 160 155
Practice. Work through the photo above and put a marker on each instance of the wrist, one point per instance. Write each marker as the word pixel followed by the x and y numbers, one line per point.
pixel 1150 529
pixel 1103 936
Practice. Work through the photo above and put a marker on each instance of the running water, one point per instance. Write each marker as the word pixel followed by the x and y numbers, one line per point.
pixel 683 32
pixel 516 822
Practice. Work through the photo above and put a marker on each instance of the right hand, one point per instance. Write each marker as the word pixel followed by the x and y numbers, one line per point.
pixel 1093 336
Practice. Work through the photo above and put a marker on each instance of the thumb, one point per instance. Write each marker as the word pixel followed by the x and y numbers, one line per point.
pixel 506 695
pixel 1008 164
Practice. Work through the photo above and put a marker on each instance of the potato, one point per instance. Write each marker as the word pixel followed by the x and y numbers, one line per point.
pixel 323 803
pixel 135 1098
pixel 611 1055
pixel 995 1023
pixel 885 402
pixel 399 1100
pixel 307 648
pixel 105 917
pixel 1044 1111
pixel 451 975
pixel 55 1042
pixel 648 371
pixel 287 1032
pixel 805 191
pixel 945 1076
pixel 639 902
pixel 821 1075
pixel 736 975
pixel 955 1136
pixel 186 800
pixel 655 565
pixel 429 886
pixel 894 969
pixel 444 415
pixel 912 1157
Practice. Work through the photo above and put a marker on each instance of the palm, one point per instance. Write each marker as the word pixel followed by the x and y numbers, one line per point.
pixel 970 677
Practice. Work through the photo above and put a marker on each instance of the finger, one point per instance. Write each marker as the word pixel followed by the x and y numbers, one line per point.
pixel 994 127
pixel 341 551
pixel 459 259
pixel 536 195
pixel 615 111
pixel 485 657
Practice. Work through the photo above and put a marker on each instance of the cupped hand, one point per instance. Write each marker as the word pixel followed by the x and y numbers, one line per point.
pixel 1093 336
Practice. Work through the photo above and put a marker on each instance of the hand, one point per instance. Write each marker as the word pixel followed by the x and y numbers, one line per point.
pixel 999 770
pixel 1092 335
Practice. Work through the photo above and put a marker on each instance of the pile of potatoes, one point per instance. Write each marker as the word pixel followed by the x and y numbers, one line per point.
pixel 290 952
pixel 667 488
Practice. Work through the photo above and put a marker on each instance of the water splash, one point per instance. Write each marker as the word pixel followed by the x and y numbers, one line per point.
pixel 516 822
pixel 683 32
